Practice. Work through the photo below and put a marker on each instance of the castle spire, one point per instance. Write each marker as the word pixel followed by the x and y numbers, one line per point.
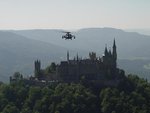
pixel 114 44
pixel 114 54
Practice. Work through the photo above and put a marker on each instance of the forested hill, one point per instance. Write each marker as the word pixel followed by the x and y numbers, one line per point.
pixel 131 96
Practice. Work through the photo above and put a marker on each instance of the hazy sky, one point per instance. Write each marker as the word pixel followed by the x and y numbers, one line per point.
pixel 74 14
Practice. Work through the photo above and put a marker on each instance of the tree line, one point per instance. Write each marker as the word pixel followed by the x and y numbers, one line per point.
pixel 132 95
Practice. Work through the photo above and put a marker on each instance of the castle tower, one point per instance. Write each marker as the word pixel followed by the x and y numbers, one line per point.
pixel 92 56
pixel 114 54
pixel 37 68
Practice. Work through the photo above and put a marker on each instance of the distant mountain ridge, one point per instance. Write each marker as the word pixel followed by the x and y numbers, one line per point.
pixel 130 44
pixel 145 31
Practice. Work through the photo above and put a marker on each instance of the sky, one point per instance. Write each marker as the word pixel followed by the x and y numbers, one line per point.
pixel 74 14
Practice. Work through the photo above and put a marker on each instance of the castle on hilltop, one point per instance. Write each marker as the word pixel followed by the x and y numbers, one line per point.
pixel 74 70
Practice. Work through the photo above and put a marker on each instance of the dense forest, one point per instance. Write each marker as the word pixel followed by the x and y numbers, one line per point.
pixel 132 95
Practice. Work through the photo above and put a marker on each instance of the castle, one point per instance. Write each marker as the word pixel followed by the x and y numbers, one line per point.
pixel 100 69
pixel 92 68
